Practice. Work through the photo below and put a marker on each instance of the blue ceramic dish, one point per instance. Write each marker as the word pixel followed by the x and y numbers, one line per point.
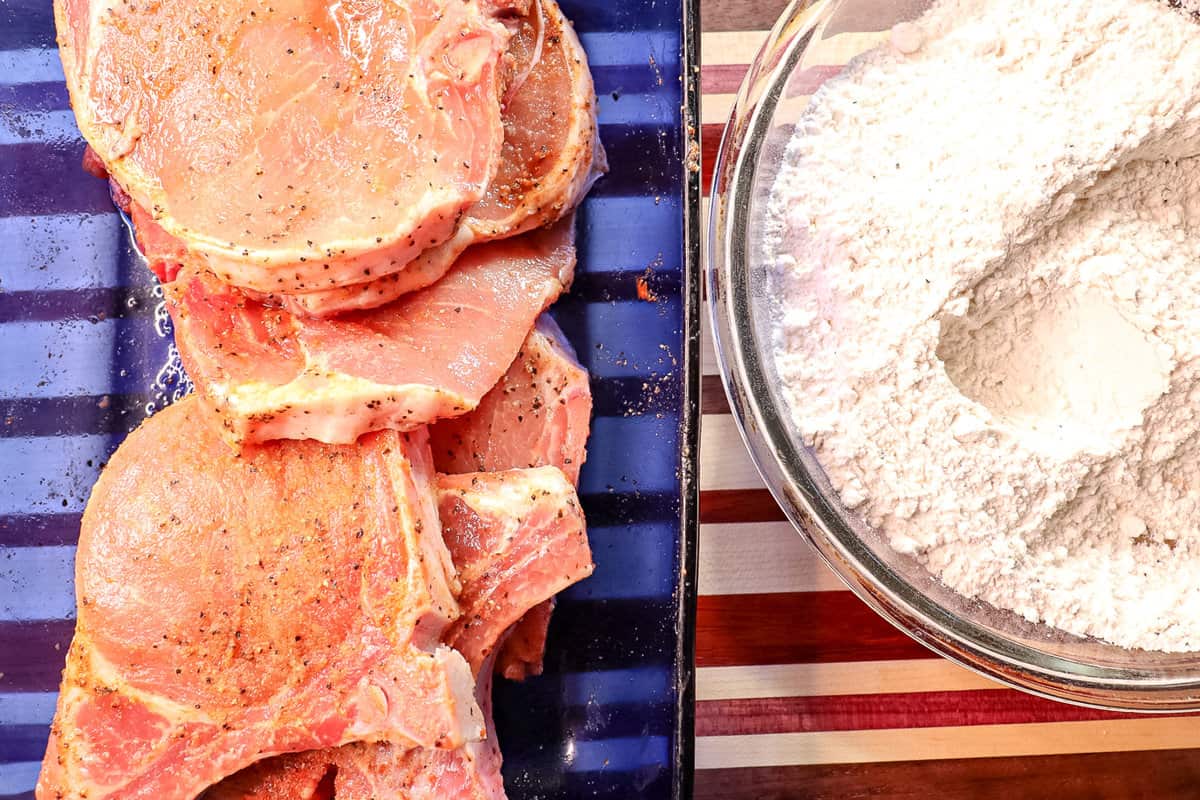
pixel 85 354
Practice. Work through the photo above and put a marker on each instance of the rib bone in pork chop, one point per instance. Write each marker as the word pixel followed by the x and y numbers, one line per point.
pixel 551 157
pixel 517 538
pixel 232 607
pixel 538 414
pixel 292 144
pixel 268 374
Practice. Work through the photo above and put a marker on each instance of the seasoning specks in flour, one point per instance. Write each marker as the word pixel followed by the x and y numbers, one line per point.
pixel 986 241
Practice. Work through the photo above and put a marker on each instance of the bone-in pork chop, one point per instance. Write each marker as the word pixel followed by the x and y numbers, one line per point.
pixel 517 537
pixel 538 414
pixel 293 144
pixel 232 607
pixel 551 157
pixel 268 374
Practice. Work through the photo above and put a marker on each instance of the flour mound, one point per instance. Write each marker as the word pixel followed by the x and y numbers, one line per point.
pixel 985 238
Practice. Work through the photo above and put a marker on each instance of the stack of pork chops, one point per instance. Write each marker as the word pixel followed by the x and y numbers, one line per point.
pixel 297 582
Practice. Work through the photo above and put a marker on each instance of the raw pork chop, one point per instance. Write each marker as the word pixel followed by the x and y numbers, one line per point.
pixel 293 144
pixel 551 157
pixel 517 538
pixel 232 607
pixel 378 771
pixel 539 413
pixel 432 354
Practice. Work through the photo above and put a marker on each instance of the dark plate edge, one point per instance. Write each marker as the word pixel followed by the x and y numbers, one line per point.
pixel 685 656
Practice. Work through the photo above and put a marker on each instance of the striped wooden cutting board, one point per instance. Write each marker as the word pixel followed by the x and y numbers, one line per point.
pixel 803 692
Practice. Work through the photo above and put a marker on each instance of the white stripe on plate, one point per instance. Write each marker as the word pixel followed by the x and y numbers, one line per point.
pixel 724 461
pixel 824 680
pixel 39 583
pixel 49 474
pixel 38 126
pixel 630 48
pixel 64 358
pixel 19 777
pixel 610 687
pixel 611 755
pixel 629 454
pixel 634 565
pixel 32 708
pixel 922 744
pixel 31 65
pixel 758 558
pixel 625 232
pixel 60 251
pixel 637 109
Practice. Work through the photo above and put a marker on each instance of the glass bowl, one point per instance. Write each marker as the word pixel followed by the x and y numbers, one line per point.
pixel 811 42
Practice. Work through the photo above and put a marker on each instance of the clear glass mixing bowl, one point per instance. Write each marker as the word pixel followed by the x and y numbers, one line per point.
pixel 810 43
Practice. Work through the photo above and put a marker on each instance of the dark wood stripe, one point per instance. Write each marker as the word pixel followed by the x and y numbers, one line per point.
pixel 876 712
pixel 795 628
pixel 1090 776
pixel 739 505
pixel 739 15
pixel 713 399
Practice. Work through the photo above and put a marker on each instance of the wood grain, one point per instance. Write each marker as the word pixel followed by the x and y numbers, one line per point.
pixel 732 505
pixel 966 742
pixel 840 678
pixel 876 712
pixel 795 628
pixel 739 15
pixel 804 692
pixel 761 558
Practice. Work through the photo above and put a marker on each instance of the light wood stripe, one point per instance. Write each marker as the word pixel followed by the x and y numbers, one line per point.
pixel 731 47
pixel 741 47
pixel 922 744
pixel 724 462
pixel 708 353
pixel 816 680
pixel 716 108
pixel 753 558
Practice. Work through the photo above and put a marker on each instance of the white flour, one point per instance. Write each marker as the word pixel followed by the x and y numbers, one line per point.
pixel 987 245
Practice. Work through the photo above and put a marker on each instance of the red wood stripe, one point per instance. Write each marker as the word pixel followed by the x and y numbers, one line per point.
pixel 875 712
pixel 795 628
pixel 713 399
pixel 722 78
pixel 1088 776
pixel 739 505
pixel 710 142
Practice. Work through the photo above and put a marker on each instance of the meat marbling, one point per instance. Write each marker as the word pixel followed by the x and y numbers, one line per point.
pixel 293 144
pixel 551 156
pixel 231 607
pixel 268 374
pixel 538 414
pixel 517 537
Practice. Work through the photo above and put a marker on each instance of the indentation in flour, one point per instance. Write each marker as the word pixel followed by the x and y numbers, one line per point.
pixel 985 255
pixel 1064 367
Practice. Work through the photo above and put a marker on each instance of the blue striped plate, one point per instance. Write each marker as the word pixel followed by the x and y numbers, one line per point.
pixel 85 355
